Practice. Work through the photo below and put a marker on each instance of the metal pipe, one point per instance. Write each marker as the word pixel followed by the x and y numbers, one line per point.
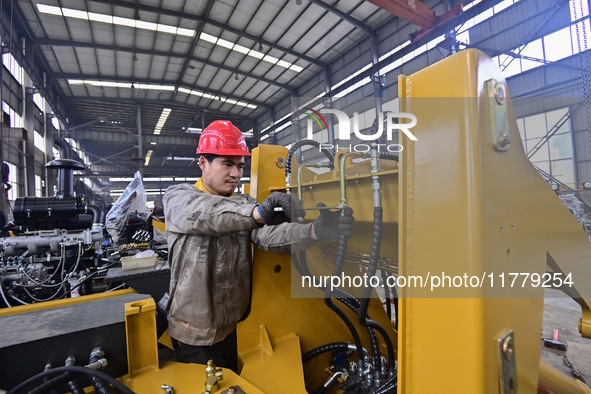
pixel 299 180
pixel 556 381
pixel 342 174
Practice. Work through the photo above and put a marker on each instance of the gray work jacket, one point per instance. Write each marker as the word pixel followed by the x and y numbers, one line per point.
pixel 210 256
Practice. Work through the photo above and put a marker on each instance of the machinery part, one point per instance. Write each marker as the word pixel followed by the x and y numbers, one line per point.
pixel 555 381
pixel 73 385
pixel 222 138
pixel 507 369
pixel 70 371
pixel 35 243
pixel 65 175
pixel 168 389
pixel 212 376
pixel 69 327
pixel 297 146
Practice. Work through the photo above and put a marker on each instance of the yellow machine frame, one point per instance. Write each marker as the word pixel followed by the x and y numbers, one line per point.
pixel 461 199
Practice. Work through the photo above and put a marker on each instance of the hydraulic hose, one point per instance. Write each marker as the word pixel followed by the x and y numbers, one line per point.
pixel 389 386
pixel 353 304
pixel 345 298
pixel 328 301
pixel 73 371
pixel 297 146
pixel 100 386
pixel 73 385
pixel 371 271
pixel 330 347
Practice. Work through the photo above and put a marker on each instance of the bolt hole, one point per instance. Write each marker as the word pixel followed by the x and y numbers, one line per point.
pixel 508 253
pixel 277 269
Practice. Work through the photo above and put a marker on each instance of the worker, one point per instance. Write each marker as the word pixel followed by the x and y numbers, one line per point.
pixel 209 232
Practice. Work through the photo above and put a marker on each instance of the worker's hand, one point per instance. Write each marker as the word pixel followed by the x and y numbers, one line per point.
pixel 291 205
pixel 331 224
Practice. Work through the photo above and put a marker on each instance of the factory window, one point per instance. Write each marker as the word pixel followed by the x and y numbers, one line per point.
pixel 38 186
pixel 13 181
pixel 39 141
pixel 555 156
pixel 12 65
pixel 15 119
pixel 39 101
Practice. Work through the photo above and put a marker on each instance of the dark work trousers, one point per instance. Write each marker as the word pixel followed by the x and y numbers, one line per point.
pixel 224 354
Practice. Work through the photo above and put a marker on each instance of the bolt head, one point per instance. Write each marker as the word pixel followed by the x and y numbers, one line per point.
pixel 508 348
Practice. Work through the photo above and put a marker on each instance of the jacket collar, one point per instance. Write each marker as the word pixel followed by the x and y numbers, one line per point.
pixel 199 185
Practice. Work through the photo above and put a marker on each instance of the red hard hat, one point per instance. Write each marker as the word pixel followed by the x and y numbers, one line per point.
pixel 222 138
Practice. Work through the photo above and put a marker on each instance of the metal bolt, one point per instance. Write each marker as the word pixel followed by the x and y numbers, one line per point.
pixel 499 92
pixel 508 348
pixel 169 389
pixel 504 140
pixel 280 162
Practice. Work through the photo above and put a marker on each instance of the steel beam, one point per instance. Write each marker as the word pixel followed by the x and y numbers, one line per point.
pixel 219 25
pixel 76 44
pixel 99 77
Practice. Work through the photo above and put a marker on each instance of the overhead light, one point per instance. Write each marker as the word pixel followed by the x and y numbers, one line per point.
pixel 215 97
pixel 114 20
pixel 113 84
pixel 152 143
pixel 162 120
pixel 148 156
pixel 249 52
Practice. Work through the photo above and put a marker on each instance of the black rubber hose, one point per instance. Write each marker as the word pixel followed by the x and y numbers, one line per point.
pixel 387 291
pixel 74 370
pixel 346 299
pixel 375 347
pixel 100 386
pixel 389 386
pixel 297 146
pixel 328 301
pixel 74 386
pixel 388 156
pixel 330 347
pixel 371 271
pixel 51 384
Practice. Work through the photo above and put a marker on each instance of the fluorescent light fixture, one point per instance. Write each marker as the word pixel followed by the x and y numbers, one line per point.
pixel 158 179
pixel 194 130
pixel 216 97
pixel 148 156
pixel 111 84
pixel 114 20
pixel 152 143
pixel 250 52
pixel 180 158
pixel 162 120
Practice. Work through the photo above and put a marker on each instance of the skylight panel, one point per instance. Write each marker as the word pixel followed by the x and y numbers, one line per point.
pixel 49 9
pixel 114 20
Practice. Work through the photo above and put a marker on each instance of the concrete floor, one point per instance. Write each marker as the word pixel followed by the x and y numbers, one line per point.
pixel 562 312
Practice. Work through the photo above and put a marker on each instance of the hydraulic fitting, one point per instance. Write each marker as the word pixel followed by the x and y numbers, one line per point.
pixel 212 376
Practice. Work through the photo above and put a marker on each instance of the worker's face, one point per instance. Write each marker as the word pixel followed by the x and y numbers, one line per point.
pixel 222 175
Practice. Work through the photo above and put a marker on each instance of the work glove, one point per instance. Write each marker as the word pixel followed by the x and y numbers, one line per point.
pixel 292 208
pixel 331 224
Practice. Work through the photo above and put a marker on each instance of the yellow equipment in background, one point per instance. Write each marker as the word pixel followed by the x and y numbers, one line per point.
pixel 461 200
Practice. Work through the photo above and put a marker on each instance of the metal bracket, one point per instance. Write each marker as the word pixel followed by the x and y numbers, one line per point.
pixel 507 368
pixel 497 108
